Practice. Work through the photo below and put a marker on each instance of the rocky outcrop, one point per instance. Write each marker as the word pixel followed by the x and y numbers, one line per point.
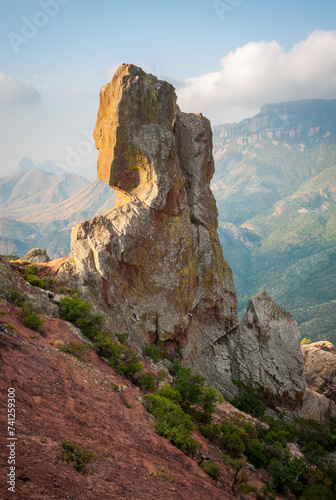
pixel 36 256
pixel 266 350
pixel 320 368
pixel 317 406
pixel 155 262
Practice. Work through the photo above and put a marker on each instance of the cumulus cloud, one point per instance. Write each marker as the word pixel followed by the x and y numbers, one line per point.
pixel 17 91
pixel 262 72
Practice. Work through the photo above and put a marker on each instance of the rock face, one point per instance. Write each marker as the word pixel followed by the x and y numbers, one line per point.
pixel 155 260
pixel 320 367
pixel 266 349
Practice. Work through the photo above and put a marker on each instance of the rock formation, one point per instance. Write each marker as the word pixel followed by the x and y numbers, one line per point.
pixel 320 368
pixel 155 260
pixel 36 256
pixel 266 350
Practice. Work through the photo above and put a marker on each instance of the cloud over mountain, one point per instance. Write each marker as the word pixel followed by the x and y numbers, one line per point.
pixel 261 72
pixel 17 91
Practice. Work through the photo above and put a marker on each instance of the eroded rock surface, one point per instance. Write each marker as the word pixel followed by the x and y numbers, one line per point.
pixel 320 367
pixel 266 350
pixel 155 259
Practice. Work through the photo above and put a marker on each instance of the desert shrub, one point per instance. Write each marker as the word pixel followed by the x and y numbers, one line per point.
pixel 308 430
pixel 255 453
pixel 287 473
pixel 30 318
pixel 250 399
pixel 30 276
pixel 77 312
pixel 318 491
pixel 314 453
pixel 211 431
pixel 76 349
pixel 161 375
pixel 152 352
pixel 80 456
pixel 17 298
pixel 173 423
pixel 122 337
pixel 49 282
pixel 146 381
pixel 212 469
pixel 197 399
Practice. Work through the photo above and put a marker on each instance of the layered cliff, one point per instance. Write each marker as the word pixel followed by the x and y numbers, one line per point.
pixel 155 262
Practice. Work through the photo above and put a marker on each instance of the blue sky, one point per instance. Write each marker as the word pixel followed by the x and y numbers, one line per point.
pixel 225 57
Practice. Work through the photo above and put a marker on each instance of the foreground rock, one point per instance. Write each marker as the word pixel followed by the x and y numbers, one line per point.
pixel 154 265
pixel 266 350
pixel 320 368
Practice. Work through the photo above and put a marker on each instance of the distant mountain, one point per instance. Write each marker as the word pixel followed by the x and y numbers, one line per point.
pixel 36 187
pixel 39 209
pixel 47 166
pixel 275 186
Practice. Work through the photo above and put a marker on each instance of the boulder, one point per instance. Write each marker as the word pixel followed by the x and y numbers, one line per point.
pixel 36 256
pixel 320 367
pixel 317 406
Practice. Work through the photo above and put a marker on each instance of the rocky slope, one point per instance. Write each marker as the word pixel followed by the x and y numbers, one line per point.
pixel 59 397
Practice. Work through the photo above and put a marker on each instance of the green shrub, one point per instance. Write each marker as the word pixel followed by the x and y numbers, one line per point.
pixel 17 298
pixel 122 337
pixel 80 456
pixel 250 400
pixel 172 423
pixel 286 473
pixel 76 349
pixel 255 453
pixel 318 492
pixel 146 381
pixel 30 318
pixel 77 312
pixel 212 469
pixel 30 276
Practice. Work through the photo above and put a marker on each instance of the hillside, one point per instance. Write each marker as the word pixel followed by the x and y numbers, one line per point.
pixel 38 209
pixel 275 186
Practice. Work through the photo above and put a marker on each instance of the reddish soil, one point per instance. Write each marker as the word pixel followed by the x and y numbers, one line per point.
pixel 59 397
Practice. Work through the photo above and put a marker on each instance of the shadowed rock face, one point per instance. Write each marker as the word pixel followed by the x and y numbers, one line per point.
pixel 267 350
pixel 155 260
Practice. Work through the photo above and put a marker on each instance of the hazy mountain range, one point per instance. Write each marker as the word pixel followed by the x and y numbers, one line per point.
pixel 38 209
pixel 275 186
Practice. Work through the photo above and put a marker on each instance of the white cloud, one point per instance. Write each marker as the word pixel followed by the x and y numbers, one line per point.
pixel 17 91
pixel 262 72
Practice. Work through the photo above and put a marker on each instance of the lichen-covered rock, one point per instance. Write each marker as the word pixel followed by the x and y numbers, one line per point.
pixel 320 368
pixel 155 260
pixel 36 256
pixel 266 350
